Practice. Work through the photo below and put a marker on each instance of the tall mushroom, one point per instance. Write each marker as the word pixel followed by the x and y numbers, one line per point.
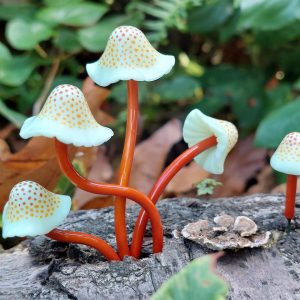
pixel 66 117
pixel 286 159
pixel 210 140
pixel 128 56
pixel 32 210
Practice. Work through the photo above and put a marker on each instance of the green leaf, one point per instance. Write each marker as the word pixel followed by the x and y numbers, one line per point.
pixel 277 97
pixel 67 40
pixel 95 37
pixel 58 2
pixel 178 88
pixel 15 71
pixel 4 52
pixel 119 92
pixel 11 115
pixel 66 80
pixel 240 89
pixel 278 124
pixel 196 281
pixel 207 186
pixel 11 11
pixel 208 17
pixel 274 39
pixel 268 15
pixel 74 13
pixel 25 34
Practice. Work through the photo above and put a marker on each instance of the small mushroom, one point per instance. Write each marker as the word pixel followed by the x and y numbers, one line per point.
pixel 32 210
pixel 197 127
pixel 129 56
pixel 244 226
pixel 286 159
pixel 67 117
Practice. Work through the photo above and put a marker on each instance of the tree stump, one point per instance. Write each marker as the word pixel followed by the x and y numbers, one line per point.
pixel 43 269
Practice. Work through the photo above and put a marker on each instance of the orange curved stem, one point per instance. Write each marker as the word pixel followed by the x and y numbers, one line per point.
pixel 160 185
pixel 290 201
pixel 126 164
pixel 114 190
pixel 68 236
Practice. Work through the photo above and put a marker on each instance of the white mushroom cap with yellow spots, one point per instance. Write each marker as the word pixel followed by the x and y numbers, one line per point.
pixel 129 55
pixel 286 158
pixel 197 127
pixel 32 210
pixel 67 117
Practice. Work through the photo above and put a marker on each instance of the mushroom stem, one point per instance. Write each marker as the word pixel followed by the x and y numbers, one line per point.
pixel 126 164
pixel 291 187
pixel 114 190
pixel 68 236
pixel 160 185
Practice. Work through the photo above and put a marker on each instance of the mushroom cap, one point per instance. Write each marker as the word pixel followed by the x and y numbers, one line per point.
pixel 32 210
pixel 197 127
pixel 286 158
pixel 129 55
pixel 67 117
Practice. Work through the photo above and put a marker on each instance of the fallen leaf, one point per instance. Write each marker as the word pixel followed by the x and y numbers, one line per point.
pixel 36 162
pixel 100 170
pixel 265 181
pixel 96 97
pixel 98 202
pixel 4 150
pixel 150 155
pixel 281 188
pixel 7 130
pixel 186 178
pixel 242 164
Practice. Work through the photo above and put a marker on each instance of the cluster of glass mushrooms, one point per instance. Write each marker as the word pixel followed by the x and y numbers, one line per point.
pixel 32 210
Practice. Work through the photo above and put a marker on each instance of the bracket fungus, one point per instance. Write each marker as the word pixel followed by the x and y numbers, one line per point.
pixel 286 159
pixel 32 210
pixel 198 127
pixel 129 56
pixel 240 232
pixel 67 117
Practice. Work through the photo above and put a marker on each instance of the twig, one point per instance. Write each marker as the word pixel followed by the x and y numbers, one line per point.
pixel 41 52
pixel 48 82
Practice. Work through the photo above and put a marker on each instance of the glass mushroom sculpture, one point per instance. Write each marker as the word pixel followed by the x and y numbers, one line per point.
pixel 128 56
pixel 210 140
pixel 286 159
pixel 32 210
pixel 67 117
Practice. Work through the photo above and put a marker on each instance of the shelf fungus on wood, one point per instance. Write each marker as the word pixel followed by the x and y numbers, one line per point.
pixel 226 232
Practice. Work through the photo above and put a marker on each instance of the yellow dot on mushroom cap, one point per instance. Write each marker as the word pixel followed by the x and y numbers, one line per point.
pixel 63 105
pixel 127 44
pixel 289 148
pixel 22 203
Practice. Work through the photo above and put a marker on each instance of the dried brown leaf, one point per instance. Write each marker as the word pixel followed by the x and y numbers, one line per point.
pixel 186 178
pixel 150 155
pixel 242 164
pixel 100 170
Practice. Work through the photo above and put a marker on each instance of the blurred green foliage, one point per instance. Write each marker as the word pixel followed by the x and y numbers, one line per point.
pixel 196 281
pixel 236 59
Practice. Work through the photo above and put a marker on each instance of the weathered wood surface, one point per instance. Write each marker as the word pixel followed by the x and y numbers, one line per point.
pixel 49 270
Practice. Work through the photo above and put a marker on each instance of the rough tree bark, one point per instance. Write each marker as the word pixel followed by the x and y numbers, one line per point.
pixel 44 269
